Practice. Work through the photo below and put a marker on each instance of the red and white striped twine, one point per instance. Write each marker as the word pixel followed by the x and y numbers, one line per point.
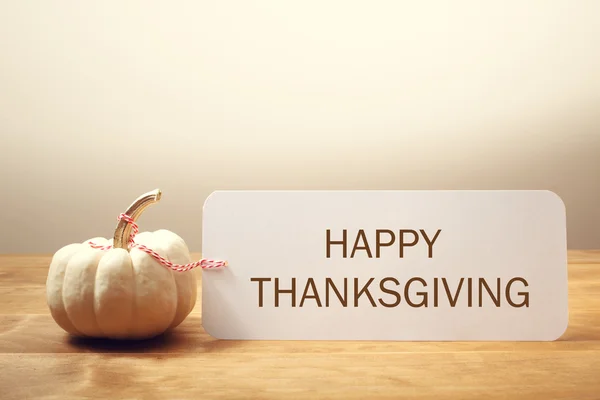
pixel 204 263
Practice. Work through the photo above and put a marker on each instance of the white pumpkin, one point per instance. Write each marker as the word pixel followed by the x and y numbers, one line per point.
pixel 121 293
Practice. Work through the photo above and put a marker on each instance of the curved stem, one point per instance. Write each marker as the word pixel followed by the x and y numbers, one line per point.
pixel 123 230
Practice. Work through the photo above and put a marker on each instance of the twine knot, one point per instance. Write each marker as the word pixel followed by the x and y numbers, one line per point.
pixel 204 263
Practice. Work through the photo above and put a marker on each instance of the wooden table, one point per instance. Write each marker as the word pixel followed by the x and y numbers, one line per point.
pixel 38 360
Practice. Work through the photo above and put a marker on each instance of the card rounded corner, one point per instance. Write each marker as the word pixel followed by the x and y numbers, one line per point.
pixel 556 197
pixel 210 332
pixel 209 197
pixel 563 329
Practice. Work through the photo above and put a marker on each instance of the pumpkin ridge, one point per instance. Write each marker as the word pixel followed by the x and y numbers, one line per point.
pixel 147 270
pixel 170 253
pixel 167 255
pixel 90 262
pixel 64 302
pixel 134 296
pixel 62 292
pixel 133 301
pixel 102 332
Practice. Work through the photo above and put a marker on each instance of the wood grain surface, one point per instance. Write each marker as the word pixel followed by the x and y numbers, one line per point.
pixel 39 361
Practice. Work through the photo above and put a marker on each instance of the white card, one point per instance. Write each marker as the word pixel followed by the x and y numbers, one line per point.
pixel 414 265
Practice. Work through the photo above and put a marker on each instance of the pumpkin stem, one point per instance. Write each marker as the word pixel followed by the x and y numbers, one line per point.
pixel 123 230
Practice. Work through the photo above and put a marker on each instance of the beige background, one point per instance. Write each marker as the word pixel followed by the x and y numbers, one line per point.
pixel 102 101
